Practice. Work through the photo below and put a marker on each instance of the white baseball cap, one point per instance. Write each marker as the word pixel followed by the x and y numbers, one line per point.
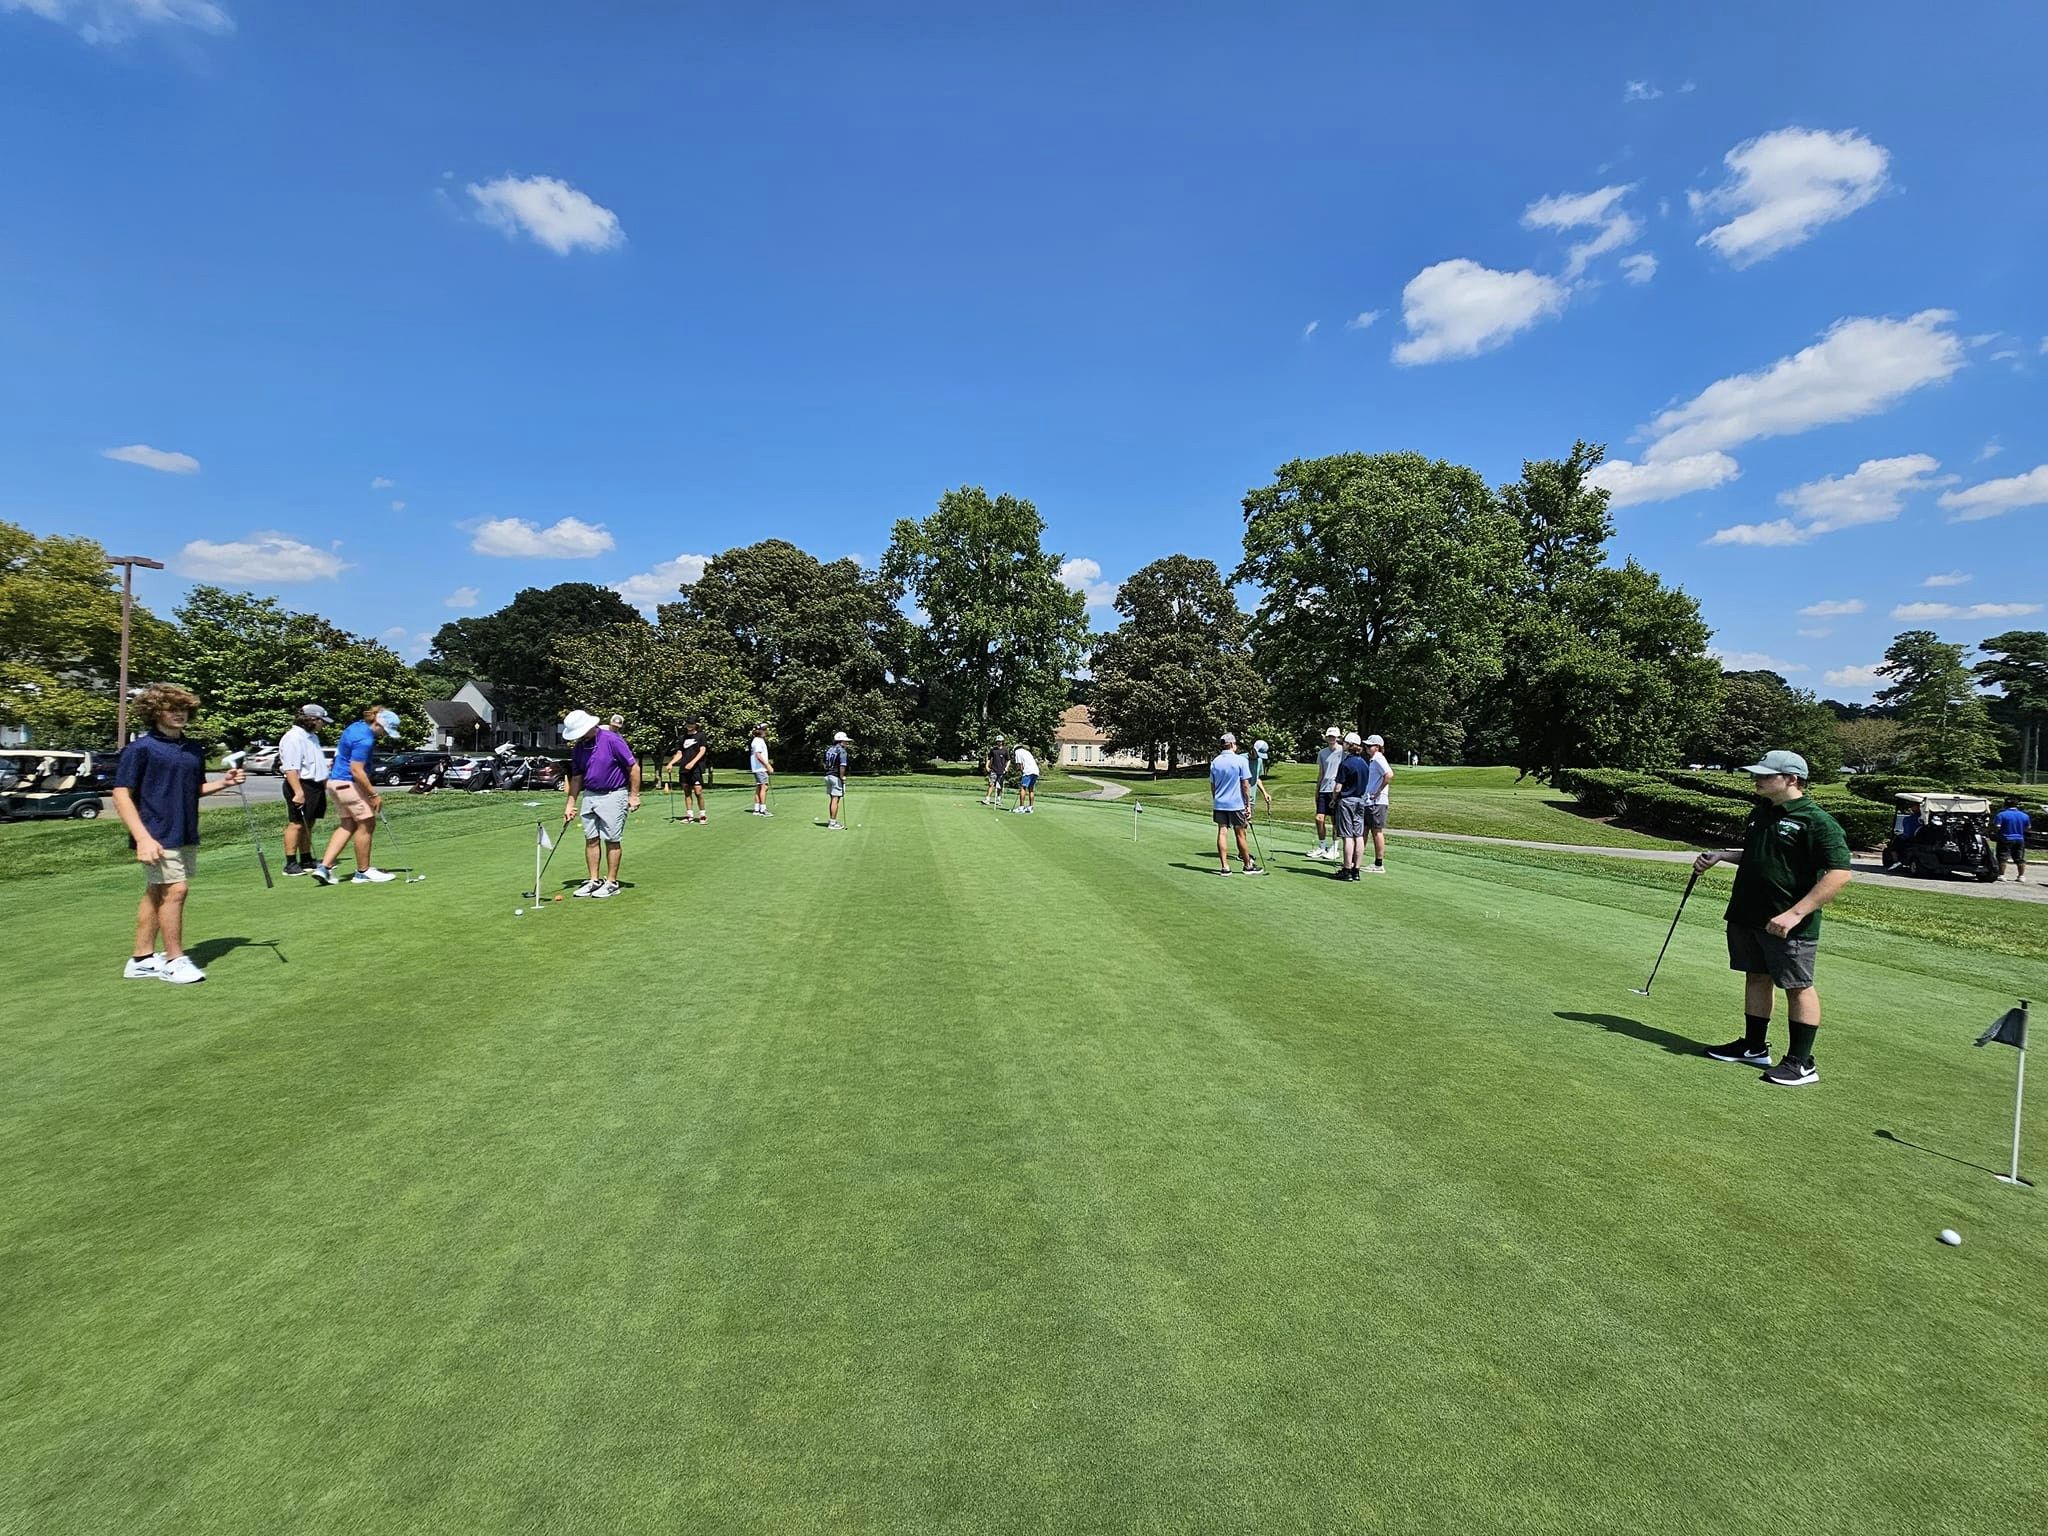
pixel 312 712
pixel 581 723
pixel 1333 731
pixel 387 722
pixel 1229 739
pixel 1261 748
pixel 838 736
pixel 1351 739
pixel 1375 741
pixel 617 721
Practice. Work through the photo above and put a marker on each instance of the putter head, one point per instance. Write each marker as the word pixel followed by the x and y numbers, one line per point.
pixel 1640 991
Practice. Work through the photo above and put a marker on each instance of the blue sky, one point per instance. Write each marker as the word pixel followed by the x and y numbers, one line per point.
pixel 597 288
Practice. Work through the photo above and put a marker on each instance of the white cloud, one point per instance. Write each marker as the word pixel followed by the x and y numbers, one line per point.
pixel 1310 329
pixel 1752 661
pixel 2005 355
pixel 1857 677
pixel 1085 576
pixel 1820 633
pixel 382 483
pixel 1994 498
pixel 1990 450
pixel 261 557
pixel 1874 492
pixel 1688 88
pixel 650 589
pixel 154 458
pixel 1833 608
pixel 461 597
pixel 411 644
pixel 1639 90
pixel 1783 186
pixel 398 506
pixel 1948 579
pixel 1639 268
pixel 514 538
pixel 1858 368
pixel 1629 484
pixel 553 212
pixel 1775 534
pixel 115 21
pixel 1599 210
pixel 2043 348
pixel 1362 320
pixel 1459 309
pixel 1964 611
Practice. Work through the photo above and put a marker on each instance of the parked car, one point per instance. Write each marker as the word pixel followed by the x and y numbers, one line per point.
pixel 41 784
pixel 538 773
pixel 409 767
pixel 262 757
pixel 472 773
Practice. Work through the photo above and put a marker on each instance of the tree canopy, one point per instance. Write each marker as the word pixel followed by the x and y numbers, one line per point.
pixel 2016 664
pixel 1176 671
pixel 1946 730
pixel 517 650
pixel 1760 712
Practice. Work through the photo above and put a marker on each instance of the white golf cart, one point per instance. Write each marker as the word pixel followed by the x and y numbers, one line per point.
pixel 38 784
pixel 1939 834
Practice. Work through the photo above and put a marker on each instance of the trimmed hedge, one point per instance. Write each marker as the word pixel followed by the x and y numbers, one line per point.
pixel 1883 786
pixel 1667 802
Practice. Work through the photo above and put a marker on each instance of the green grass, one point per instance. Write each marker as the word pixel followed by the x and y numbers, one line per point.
pixel 1484 802
pixel 971 1172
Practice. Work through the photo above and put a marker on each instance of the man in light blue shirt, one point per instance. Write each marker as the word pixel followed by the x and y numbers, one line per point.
pixel 1230 780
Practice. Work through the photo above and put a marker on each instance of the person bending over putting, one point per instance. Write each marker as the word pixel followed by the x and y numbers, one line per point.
pixel 1379 774
pixel 835 780
pixel 1230 779
pixel 1793 861
pixel 356 798
pixel 997 764
pixel 689 765
pixel 764 770
pixel 606 774
pixel 1027 782
pixel 1354 774
pixel 157 786
pixel 1327 761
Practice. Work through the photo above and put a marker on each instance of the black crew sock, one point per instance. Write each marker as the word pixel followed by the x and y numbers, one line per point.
pixel 1379 863
pixel 145 957
pixel 1756 1030
pixel 1801 1048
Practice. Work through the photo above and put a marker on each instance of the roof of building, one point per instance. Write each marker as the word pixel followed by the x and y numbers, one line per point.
pixel 450 714
pixel 1078 725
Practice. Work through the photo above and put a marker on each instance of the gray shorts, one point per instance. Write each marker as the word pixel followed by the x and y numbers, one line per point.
pixel 604 815
pixel 1789 961
pixel 1351 817
pixel 835 786
pixel 1375 816
pixel 760 775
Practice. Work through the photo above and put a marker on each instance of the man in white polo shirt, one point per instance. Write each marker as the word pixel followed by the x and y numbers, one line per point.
pixel 1379 774
pixel 303 762
pixel 1328 761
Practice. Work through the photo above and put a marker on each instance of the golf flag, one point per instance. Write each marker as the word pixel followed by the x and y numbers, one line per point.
pixel 2011 1029
pixel 548 843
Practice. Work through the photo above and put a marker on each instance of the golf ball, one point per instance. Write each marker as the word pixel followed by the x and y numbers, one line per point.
pixel 1952 1237
pixel 519 911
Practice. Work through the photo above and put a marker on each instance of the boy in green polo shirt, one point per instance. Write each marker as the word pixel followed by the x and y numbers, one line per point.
pixel 1793 861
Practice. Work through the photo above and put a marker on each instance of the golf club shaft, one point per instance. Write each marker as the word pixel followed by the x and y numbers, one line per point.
pixel 1682 900
pixel 255 838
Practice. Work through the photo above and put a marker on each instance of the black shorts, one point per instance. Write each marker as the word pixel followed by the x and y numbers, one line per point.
pixel 1326 801
pixel 315 806
pixel 1232 818
pixel 2017 852
pixel 690 778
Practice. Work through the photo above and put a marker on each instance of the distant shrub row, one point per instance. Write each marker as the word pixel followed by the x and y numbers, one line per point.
pixel 1704 807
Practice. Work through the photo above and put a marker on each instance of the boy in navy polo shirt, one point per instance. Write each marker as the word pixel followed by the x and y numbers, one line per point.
pixel 157 787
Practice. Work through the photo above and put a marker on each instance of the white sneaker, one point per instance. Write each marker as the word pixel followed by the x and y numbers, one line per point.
pixel 145 969
pixel 588 888
pixel 371 876
pixel 606 889
pixel 180 972
pixel 833 826
pixel 1375 869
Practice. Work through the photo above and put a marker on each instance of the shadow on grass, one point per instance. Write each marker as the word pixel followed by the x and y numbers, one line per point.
pixel 207 951
pixel 1636 1029
pixel 1900 1141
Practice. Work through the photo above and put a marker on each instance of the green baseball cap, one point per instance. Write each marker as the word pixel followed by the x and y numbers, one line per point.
pixel 1780 762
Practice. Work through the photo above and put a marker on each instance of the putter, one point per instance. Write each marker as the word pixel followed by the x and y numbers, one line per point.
pixel 384 821
pixel 234 760
pixel 1644 989
pixel 1253 828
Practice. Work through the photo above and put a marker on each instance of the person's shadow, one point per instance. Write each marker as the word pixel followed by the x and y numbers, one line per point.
pixel 206 951
pixel 1636 1029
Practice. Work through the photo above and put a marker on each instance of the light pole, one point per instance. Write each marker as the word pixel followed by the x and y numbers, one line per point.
pixel 127 564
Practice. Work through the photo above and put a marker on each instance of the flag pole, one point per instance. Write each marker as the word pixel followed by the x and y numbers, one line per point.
pixel 2019 1098
pixel 539 827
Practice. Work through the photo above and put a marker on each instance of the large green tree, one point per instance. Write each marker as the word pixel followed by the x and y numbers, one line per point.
pixel 1001 635
pixel 661 680
pixel 517 649
pixel 2016 664
pixel 1385 578
pixel 1176 670
pixel 60 638
pixel 253 662
pixel 1760 712
pixel 823 647
pixel 1600 665
pixel 1946 729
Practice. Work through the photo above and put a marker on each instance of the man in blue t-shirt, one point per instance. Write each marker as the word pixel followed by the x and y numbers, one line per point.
pixel 2012 838
pixel 1230 780
pixel 356 798
pixel 157 787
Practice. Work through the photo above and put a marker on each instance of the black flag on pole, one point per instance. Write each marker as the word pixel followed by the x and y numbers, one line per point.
pixel 2011 1029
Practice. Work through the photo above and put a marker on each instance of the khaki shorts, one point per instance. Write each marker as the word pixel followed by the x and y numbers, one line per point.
pixel 177 866
pixel 350 802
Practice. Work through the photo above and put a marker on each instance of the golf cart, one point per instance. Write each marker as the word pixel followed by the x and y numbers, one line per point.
pixel 1936 834
pixel 46 785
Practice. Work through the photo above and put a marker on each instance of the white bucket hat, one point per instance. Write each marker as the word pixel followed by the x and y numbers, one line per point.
pixel 581 723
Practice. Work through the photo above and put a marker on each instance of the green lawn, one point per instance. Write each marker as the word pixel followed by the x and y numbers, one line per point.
pixel 1486 802
pixel 973 1172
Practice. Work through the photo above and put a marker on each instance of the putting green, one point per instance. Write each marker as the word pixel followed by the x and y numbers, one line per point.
pixel 972 1171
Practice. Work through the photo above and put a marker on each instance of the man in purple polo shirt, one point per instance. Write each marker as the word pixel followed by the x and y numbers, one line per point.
pixel 604 771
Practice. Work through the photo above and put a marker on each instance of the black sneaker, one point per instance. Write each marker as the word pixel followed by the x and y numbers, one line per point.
pixel 1358 874
pixel 1741 1053
pixel 1340 874
pixel 1792 1074
pixel 294 867
pixel 1225 871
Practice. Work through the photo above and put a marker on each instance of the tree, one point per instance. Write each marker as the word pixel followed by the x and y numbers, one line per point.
pixel 60 638
pixel 1384 579
pixel 1947 731
pixel 517 649
pixel 823 647
pixel 1176 670
pixel 253 662
pixel 2016 663
pixel 661 681
pixel 1760 712
pixel 1870 744
pixel 1001 634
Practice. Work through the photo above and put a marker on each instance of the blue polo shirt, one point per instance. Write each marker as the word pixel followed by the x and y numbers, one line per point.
pixel 1351 777
pixel 1227 776
pixel 355 746
pixel 164 777
pixel 2012 826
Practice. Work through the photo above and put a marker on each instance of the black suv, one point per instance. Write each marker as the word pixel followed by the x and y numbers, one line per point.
pixel 408 767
